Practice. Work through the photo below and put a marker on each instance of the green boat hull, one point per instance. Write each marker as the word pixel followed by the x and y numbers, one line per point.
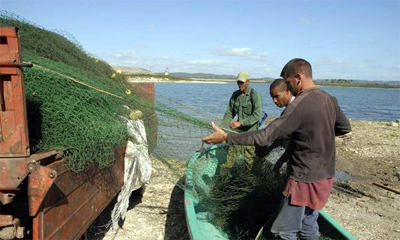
pixel 201 229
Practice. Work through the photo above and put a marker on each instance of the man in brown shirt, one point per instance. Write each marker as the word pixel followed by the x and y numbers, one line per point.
pixel 313 119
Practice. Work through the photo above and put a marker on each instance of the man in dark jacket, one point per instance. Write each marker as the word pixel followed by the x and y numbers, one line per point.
pixel 313 119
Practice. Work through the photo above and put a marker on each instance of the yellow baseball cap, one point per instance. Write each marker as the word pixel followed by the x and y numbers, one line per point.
pixel 243 76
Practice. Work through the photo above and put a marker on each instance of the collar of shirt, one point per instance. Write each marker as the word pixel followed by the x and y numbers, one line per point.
pixel 248 90
pixel 306 90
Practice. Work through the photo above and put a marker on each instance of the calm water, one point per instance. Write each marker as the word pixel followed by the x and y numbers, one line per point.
pixel 209 101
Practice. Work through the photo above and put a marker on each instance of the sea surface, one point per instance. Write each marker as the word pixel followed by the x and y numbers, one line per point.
pixel 208 101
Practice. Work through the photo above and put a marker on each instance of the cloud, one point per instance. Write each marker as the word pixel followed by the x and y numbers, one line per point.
pixel 141 45
pixel 246 53
pixel 304 20
pixel 207 62
pixel 234 52
pixel 191 54
pixel 206 65
pixel 263 67
pixel 202 65
pixel 152 26
pixel 259 57
pixel 262 70
pixel 330 62
pixel 158 64
pixel 124 55
pixel 336 62
pixel 362 69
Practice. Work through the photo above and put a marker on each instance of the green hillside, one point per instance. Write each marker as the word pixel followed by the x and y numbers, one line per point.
pixel 74 101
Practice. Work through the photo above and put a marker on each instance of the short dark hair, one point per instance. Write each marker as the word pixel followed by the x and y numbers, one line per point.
pixel 278 83
pixel 297 65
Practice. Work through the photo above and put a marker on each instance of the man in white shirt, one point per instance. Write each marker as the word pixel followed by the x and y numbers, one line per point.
pixel 281 96
pixel 280 93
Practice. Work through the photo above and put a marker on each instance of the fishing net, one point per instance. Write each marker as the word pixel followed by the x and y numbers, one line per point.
pixel 239 201
pixel 78 104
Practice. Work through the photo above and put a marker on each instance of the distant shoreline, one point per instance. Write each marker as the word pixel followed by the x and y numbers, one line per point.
pixel 169 79
pixel 175 81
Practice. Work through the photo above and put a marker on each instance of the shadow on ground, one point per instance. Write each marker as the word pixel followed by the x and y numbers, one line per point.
pixel 102 224
pixel 175 226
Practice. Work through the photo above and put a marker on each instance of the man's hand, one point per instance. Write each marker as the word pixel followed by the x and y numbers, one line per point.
pixel 218 136
pixel 234 125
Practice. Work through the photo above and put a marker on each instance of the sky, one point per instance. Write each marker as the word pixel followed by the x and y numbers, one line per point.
pixel 342 39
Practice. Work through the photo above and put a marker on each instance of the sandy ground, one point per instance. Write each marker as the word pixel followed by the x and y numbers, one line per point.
pixel 371 154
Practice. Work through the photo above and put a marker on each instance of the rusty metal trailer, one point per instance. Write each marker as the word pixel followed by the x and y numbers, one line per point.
pixel 39 197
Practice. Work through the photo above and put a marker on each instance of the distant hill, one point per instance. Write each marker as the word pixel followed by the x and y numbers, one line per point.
pixel 136 70
pixel 211 76
pixel 378 82
pixel 267 79
pixel 201 75
pixel 369 82
pixel 132 70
